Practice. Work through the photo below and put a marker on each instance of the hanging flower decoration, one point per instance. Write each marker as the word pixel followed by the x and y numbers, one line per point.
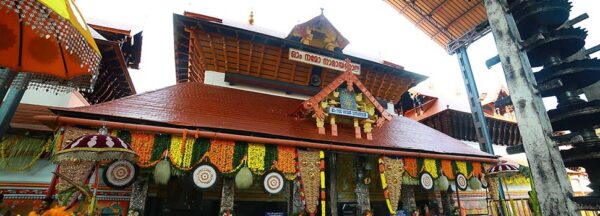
pixel 270 156
pixel 221 154
pixel 448 169
pixel 175 154
pixel 322 166
pixel 477 169
pixel 17 147
pixel 142 144
pixel 461 166
pixel 256 157
pixel 391 171
pixel 410 166
pixel 309 167
pixel 431 167
pixel 285 163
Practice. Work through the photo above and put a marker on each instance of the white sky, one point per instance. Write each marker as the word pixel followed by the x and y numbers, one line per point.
pixel 374 29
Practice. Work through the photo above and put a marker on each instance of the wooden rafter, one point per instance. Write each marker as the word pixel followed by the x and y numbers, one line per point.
pixel 225 53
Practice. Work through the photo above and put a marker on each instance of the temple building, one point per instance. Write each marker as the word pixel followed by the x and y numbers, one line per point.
pixel 262 124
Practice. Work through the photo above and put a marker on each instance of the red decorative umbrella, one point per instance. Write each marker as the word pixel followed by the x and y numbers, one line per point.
pixel 503 169
pixel 96 147
pixel 77 160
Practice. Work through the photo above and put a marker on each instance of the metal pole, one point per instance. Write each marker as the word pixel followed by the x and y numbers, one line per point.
pixel 483 134
pixel 6 78
pixel 547 168
pixel 9 106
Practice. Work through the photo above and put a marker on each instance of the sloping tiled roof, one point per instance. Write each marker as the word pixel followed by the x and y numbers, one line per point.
pixel 23 118
pixel 194 105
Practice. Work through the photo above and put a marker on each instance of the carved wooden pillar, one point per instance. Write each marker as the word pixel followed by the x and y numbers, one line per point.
pixel 409 204
pixel 357 132
pixel 139 193
pixel 227 195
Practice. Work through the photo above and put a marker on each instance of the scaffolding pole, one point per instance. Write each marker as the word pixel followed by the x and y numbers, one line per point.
pixel 547 168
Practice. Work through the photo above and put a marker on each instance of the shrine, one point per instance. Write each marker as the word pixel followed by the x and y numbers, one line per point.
pixel 262 124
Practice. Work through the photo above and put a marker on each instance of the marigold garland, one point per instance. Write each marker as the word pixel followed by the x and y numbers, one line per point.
pixel 142 144
pixel 477 171
pixel 256 157
pixel 448 169
pixel 461 166
pixel 410 166
pixel 220 154
pixel 431 167
pixel 285 163
pixel 175 154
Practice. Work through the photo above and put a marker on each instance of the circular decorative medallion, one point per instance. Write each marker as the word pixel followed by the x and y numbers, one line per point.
pixel 461 181
pixel 426 181
pixel 204 176
pixel 484 183
pixel 120 173
pixel 273 182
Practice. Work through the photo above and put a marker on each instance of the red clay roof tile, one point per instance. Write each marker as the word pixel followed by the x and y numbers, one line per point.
pixel 221 108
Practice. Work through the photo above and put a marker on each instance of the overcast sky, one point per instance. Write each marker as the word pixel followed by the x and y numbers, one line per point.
pixel 375 31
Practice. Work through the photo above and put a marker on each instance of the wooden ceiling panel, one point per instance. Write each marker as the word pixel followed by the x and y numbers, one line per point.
pixel 450 18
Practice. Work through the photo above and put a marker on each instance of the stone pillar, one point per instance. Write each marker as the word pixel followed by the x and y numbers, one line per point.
pixel 227 195
pixel 139 193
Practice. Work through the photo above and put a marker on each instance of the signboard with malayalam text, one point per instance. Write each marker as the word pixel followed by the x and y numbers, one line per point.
pixel 321 61
pixel 347 112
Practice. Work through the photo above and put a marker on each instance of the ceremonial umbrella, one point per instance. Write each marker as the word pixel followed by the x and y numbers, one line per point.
pixel 503 170
pixel 77 160
pixel 49 45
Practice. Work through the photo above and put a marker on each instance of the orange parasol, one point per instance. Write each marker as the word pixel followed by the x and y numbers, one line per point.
pixel 50 40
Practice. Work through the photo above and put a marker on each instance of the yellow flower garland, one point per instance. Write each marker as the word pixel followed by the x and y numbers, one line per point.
pixel 431 167
pixel 462 167
pixel 175 153
pixel 322 161
pixel 256 157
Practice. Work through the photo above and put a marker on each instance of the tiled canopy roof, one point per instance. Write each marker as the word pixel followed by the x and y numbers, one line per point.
pixel 194 105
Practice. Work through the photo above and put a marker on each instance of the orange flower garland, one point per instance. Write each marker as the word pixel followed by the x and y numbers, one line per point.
pixel 221 154
pixel 410 166
pixel 477 169
pixel 447 169
pixel 142 144
pixel 285 163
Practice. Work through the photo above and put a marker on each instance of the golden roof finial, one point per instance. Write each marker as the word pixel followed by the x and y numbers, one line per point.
pixel 251 18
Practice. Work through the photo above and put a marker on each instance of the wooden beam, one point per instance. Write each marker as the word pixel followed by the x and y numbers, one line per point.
pixel 250 55
pixel 545 162
pixel 225 53
pixel 279 62
pixel 212 50
pixel 260 62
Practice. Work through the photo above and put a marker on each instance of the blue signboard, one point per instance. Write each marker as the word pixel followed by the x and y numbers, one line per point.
pixel 347 112
pixel 274 213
